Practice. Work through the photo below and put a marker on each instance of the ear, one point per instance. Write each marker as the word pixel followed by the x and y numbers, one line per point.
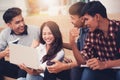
pixel 97 17
pixel 8 24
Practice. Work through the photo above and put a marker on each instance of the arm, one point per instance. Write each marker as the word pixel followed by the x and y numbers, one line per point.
pixel 60 66
pixel 30 70
pixel 73 34
pixel 67 46
pixel 4 53
pixel 59 57
pixel 95 64
pixel 35 43
pixel 113 63
pixel 3 44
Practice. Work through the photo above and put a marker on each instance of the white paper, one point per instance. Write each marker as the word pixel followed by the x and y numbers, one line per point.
pixel 22 54
pixel 118 67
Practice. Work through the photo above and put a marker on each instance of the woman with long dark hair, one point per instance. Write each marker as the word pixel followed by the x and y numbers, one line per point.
pixel 50 48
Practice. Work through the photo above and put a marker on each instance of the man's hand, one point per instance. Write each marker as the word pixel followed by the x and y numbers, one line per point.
pixel 57 67
pixel 95 64
pixel 35 43
pixel 5 52
pixel 67 60
pixel 74 33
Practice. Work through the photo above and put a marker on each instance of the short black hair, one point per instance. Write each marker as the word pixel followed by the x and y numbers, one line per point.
pixel 76 8
pixel 11 13
pixel 93 8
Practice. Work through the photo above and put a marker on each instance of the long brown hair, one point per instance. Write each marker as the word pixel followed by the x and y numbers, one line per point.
pixel 57 45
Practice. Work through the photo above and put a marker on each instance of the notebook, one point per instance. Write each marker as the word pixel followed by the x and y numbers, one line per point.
pixel 23 54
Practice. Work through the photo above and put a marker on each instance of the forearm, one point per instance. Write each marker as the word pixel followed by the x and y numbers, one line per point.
pixel 32 71
pixel 68 66
pixel 67 46
pixel 112 63
pixel 77 54
pixel 2 54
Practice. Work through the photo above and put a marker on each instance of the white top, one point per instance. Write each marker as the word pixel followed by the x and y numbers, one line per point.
pixel 42 51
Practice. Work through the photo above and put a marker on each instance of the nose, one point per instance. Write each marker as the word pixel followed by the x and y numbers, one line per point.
pixel 71 21
pixel 21 23
pixel 46 36
pixel 85 23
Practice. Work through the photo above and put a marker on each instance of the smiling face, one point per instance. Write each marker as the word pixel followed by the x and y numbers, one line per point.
pixel 17 24
pixel 91 22
pixel 47 35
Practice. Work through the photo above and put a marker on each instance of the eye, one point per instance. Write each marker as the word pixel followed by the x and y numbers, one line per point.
pixel 17 22
pixel 44 33
pixel 49 33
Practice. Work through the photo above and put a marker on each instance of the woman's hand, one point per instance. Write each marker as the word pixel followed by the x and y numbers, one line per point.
pixel 30 70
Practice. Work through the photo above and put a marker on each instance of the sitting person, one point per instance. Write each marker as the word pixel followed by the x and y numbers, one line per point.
pixel 100 52
pixel 77 21
pixel 50 48
pixel 20 32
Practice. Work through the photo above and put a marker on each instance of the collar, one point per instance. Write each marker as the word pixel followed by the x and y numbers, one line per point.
pixel 85 30
pixel 24 33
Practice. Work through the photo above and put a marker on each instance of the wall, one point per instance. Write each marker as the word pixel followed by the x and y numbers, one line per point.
pixel 112 6
pixel 5 4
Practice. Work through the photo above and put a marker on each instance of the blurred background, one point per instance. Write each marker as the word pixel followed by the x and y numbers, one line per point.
pixel 36 12
pixel 50 7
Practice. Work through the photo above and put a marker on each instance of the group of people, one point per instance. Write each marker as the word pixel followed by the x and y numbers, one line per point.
pixel 97 46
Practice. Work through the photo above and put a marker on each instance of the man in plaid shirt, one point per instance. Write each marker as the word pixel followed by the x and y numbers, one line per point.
pixel 101 51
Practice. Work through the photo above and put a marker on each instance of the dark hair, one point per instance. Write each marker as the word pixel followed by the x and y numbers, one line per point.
pixel 76 8
pixel 11 13
pixel 93 8
pixel 57 43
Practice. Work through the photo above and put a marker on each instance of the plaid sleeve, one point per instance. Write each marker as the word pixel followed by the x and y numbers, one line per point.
pixel 87 51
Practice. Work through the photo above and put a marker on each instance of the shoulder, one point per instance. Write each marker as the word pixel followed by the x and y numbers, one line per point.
pixel 115 24
pixel 5 31
pixel 60 55
pixel 116 21
pixel 61 52
pixel 33 30
pixel 40 46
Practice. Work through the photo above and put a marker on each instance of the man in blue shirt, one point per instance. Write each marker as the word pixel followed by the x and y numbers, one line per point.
pixel 78 22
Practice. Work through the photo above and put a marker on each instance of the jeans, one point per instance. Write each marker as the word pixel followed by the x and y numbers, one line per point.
pixel 76 73
pixel 63 75
pixel 1 77
pixel 118 74
pixel 107 74
pixel 21 78
pixel 21 73
pixel 34 77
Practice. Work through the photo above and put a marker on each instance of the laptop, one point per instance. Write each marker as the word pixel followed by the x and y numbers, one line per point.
pixel 23 54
